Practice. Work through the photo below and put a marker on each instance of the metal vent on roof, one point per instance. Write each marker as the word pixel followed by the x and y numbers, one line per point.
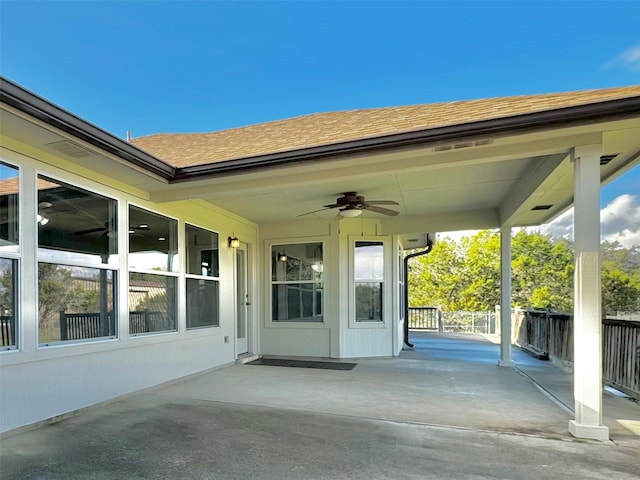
pixel 604 159
pixel 542 207
pixel 457 146
pixel 70 148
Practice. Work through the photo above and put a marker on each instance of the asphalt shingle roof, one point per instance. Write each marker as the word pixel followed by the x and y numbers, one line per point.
pixel 318 129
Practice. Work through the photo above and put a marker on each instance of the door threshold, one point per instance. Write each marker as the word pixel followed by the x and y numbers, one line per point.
pixel 247 357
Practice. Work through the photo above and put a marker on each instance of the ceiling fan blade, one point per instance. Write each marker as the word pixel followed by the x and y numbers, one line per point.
pixel 90 230
pixel 334 205
pixel 381 202
pixel 384 211
pixel 314 211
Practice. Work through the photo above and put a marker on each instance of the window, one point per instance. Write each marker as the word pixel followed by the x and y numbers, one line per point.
pixel 9 254
pixel 77 263
pixel 369 281
pixel 401 284
pixel 9 200
pixel 203 292
pixel 8 282
pixel 153 263
pixel 297 282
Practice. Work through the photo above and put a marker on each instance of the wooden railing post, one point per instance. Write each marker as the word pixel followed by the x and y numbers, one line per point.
pixel 63 325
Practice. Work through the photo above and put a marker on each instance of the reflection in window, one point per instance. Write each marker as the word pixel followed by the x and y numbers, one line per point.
pixel 152 303
pixel 202 252
pixel 74 223
pixel 297 282
pixel 401 284
pixel 9 198
pixel 202 303
pixel 9 202
pixel 369 280
pixel 8 281
pixel 153 241
pixel 75 303
pixel 202 277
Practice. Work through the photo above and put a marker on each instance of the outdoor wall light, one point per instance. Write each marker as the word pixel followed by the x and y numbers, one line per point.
pixel 234 242
pixel 282 257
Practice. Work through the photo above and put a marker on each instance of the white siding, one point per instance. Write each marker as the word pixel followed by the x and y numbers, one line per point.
pixel 38 383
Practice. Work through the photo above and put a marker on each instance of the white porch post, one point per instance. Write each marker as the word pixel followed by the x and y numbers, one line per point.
pixel 587 311
pixel 505 297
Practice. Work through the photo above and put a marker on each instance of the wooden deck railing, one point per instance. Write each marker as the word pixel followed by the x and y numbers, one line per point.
pixel 552 333
pixel 424 318
pixel 434 319
pixel 80 326
pixel 621 355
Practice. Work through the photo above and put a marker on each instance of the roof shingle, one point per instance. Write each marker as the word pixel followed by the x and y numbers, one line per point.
pixel 191 149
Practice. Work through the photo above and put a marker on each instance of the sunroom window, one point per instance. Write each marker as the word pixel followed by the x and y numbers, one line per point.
pixel 9 254
pixel 77 263
pixel 369 281
pixel 153 266
pixel 297 282
pixel 203 278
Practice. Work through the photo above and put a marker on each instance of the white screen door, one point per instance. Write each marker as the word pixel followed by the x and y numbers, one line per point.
pixel 242 299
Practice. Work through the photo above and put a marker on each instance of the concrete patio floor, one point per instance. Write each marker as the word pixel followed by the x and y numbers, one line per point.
pixel 444 410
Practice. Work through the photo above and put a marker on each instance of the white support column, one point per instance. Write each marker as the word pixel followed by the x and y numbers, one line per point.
pixel 587 311
pixel 505 297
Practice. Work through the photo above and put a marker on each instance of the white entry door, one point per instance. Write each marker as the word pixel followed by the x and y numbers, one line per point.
pixel 242 299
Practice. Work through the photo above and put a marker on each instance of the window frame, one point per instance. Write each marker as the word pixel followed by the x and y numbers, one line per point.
pixel 14 255
pixel 43 255
pixel 150 271
pixel 387 282
pixel 297 323
pixel 192 276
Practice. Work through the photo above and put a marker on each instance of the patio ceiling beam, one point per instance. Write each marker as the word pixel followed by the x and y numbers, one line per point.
pixel 516 200
pixel 440 222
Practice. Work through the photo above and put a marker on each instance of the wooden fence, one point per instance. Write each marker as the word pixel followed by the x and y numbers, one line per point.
pixel 552 333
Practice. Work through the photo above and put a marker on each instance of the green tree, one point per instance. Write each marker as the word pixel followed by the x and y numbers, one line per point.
pixel 542 272
pixel 481 270
pixel 620 278
pixel 437 278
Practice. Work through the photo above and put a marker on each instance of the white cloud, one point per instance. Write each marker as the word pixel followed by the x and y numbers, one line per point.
pixel 619 222
pixel 630 59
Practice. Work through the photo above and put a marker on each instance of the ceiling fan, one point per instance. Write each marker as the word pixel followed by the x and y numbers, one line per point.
pixel 105 229
pixel 352 205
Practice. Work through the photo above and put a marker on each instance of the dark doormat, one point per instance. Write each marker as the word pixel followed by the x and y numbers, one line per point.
pixel 281 362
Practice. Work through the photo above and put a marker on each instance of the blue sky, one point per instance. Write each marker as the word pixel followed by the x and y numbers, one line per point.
pixel 151 66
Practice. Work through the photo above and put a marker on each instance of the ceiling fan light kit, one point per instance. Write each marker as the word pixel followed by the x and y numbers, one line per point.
pixel 351 205
pixel 350 212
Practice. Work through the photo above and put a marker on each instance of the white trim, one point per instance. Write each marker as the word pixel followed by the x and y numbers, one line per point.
pixel 268 320
pixel 387 282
